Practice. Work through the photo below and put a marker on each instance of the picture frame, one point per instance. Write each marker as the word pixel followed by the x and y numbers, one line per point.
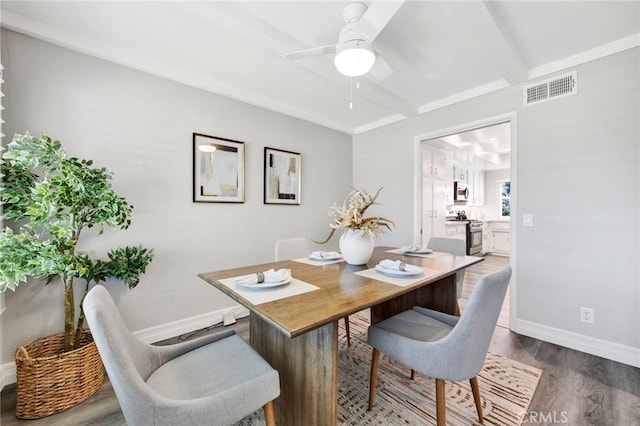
pixel 282 176
pixel 218 169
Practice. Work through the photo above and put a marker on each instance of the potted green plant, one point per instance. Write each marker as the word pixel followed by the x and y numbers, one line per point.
pixel 49 200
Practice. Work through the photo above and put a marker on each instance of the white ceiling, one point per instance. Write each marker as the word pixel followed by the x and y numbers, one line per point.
pixel 441 52
pixel 487 148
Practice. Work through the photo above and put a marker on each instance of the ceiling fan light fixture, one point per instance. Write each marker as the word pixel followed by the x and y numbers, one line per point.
pixel 354 57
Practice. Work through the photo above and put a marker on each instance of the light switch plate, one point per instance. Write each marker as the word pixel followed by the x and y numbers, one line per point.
pixel 527 220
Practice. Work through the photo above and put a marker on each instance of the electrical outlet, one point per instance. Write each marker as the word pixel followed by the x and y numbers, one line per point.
pixel 527 220
pixel 586 315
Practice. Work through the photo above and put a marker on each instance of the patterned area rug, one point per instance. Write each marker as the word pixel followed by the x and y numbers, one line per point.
pixel 506 389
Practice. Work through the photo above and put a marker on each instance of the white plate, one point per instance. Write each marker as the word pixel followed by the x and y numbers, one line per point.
pixel 396 272
pixel 325 259
pixel 265 285
pixel 419 251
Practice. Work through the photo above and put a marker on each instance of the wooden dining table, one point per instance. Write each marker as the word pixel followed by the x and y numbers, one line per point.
pixel 298 335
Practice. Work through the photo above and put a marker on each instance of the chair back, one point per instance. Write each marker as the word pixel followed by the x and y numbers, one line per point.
pixel 127 360
pixel 291 248
pixel 469 340
pixel 448 245
pixel 453 246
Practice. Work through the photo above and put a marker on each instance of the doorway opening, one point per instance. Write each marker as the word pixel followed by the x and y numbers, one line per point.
pixel 480 158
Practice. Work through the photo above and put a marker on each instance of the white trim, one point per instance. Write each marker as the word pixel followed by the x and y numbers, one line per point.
pixel 7 374
pixel 513 224
pixel 153 334
pixel 463 96
pixel 591 345
pixel 177 328
pixel 380 123
pixel 417 190
pixel 586 56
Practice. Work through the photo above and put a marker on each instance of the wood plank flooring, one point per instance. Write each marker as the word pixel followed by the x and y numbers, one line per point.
pixel 576 389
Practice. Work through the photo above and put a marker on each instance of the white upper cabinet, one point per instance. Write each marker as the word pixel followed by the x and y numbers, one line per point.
pixel 434 163
pixel 460 172
pixel 476 187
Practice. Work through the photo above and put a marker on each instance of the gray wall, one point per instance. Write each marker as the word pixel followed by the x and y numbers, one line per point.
pixel 140 127
pixel 578 174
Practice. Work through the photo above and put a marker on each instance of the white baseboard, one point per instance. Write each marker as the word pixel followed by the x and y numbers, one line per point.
pixel 153 334
pixel 176 328
pixel 8 374
pixel 591 345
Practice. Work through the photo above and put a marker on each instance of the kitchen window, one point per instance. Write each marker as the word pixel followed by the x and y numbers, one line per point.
pixel 504 198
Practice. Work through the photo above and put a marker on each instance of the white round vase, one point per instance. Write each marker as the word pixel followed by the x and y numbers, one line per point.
pixel 356 247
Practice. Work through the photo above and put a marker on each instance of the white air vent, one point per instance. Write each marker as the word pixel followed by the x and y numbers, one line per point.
pixel 553 88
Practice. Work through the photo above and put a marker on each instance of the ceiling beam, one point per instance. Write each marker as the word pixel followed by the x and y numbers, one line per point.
pixel 492 38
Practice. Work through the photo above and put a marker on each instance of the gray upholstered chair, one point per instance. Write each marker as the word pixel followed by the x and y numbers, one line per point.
pixel 442 346
pixel 215 379
pixel 293 248
pixel 453 246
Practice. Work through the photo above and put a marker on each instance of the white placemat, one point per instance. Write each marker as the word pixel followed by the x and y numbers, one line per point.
pixel 268 294
pixel 317 262
pixel 434 255
pixel 399 281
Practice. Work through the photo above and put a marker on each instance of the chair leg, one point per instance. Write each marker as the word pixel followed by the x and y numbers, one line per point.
pixel 457 312
pixel 413 374
pixel 269 414
pixel 476 396
pixel 346 327
pixel 440 403
pixel 373 377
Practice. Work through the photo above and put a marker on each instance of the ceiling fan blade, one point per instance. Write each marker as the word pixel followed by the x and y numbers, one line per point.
pixel 377 17
pixel 381 69
pixel 314 51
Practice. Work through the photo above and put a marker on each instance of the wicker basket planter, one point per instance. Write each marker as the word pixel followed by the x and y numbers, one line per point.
pixel 50 380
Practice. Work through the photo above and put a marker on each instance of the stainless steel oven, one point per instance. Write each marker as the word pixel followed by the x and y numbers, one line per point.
pixel 474 238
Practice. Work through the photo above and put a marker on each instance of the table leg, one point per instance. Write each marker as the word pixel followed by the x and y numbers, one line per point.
pixel 308 368
pixel 439 296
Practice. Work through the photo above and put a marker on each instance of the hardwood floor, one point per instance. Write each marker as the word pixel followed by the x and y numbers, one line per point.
pixel 575 389
pixel 474 273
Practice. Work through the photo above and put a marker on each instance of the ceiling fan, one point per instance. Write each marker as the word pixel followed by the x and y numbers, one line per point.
pixel 354 52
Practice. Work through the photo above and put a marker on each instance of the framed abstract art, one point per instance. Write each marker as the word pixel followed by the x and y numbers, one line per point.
pixel 218 169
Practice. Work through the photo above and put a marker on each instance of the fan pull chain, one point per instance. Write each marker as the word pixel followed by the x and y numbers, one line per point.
pixel 350 92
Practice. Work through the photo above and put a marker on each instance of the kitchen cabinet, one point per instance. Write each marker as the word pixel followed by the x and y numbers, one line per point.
pixel 500 242
pixel 476 187
pixel 500 238
pixel 486 238
pixel 460 172
pixel 434 163
pixel 434 208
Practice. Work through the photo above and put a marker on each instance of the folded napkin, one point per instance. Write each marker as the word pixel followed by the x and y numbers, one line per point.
pixel 270 276
pixel 400 266
pixel 325 254
pixel 414 249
